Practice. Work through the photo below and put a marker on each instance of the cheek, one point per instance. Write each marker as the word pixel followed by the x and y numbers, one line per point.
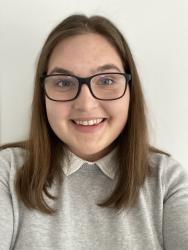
pixel 119 109
pixel 120 115
pixel 56 112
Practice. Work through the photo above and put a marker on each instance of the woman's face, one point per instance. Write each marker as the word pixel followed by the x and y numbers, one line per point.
pixel 86 55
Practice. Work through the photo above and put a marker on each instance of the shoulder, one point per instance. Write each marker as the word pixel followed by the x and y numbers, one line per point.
pixel 173 176
pixel 10 155
pixel 10 160
pixel 165 163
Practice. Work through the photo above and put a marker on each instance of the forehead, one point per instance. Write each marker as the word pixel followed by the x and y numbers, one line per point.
pixel 84 53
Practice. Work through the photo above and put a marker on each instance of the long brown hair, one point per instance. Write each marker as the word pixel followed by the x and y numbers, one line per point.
pixel 42 164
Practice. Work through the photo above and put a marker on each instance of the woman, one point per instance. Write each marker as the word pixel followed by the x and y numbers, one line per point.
pixel 87 177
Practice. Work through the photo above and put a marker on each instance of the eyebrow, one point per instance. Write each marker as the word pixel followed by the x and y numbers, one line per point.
pixel 59 70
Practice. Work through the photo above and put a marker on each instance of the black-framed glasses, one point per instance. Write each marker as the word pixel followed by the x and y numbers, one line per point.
pixel 103 86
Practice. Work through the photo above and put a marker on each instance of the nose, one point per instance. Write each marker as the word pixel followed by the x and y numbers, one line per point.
pixel 85 101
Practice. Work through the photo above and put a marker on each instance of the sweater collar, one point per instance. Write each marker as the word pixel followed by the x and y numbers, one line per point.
pixel 107 164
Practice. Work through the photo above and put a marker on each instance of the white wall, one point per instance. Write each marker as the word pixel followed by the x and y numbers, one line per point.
pixel 157 31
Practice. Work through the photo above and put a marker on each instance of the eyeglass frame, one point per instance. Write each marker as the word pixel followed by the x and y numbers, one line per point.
pixel 87 81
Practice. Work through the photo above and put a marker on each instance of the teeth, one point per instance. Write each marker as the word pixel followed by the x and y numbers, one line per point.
pixel 88 122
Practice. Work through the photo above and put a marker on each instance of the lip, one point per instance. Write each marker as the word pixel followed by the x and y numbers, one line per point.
pixel 87 128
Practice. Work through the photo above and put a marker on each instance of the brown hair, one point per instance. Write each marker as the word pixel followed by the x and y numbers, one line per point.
pixel 42 164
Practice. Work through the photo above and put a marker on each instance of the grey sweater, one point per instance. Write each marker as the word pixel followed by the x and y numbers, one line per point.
pixel 159 220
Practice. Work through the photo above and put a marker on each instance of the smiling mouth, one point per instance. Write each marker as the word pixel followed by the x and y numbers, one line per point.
pixel 92 122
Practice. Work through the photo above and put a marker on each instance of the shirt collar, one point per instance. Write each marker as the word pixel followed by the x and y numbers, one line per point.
pixel 107 164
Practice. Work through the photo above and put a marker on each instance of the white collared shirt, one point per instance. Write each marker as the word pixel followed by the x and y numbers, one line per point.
pixel 106 164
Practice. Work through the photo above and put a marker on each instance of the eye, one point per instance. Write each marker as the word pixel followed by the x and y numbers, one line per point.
pixel 63 83
pixel 107 81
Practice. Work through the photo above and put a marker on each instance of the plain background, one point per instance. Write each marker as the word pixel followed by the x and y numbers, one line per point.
pixel 157 32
